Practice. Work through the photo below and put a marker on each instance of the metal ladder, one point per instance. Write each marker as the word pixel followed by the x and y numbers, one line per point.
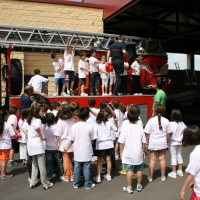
pixel 191 79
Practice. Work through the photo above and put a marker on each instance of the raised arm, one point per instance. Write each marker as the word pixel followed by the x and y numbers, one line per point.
pixel 67 44
pixel 108 55
pixel 75 44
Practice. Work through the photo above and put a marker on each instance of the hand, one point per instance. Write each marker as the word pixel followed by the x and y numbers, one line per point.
pixel 77 40
pixel 65 149
pixel 19 134
pixel 68 38
pixel 90 71
pixel 57 147
pixel 191 186
pixel 43 94
pixel 144 155
pixel 182 193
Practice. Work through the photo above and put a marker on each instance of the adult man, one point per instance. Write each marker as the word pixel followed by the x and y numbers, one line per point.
pixel 160 97
pixel 117 52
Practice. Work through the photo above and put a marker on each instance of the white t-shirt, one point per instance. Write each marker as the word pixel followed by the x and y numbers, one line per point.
pixel 56 66
pixel 93 66
pixel 120 117
pixel 103 68
pixel 69 61
pixel 177 133
pixel 113 72
pixel 126 122
pixel 132 136
pixel 5 138
pixel 194 169
pixel 125 70
pixel 81 72
pixel 35 144
pixel 36 81
pixel 82 134
pixel 158 137
pixel 137 66
pixel 104 135
pixel 49 131
pixel 23 138
pixel 12 120
pixel 63 130
pixel 55 112
pixel 93 117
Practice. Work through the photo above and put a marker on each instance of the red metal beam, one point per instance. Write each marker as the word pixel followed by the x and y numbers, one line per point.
pixel 111 7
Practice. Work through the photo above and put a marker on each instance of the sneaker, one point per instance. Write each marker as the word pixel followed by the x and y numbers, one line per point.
pixel 65 180
pixel 55 94
pixel 139 187
pixel 46 187
pixel 97 93
pixel 68 92
pixel 110 94
pixel 163 178
pixel 140 94
pixel 75 187
pixel 116 156
pixel 94 158
pixel 149 179
pixel 71 92
pixel 107 177
pixel 72 180
pixel 32 186
pixel 12 163
pixel 53 176
pixel 62 178
pixel 6 176
pixel 179 173
pixel 64 94
pixel 128 189
pixel 97 179
pixel 92 186
pixel 172 174
pixel 105 94
pixel 91 94
pixel 136 94
pixel 84 94
pixel 122 172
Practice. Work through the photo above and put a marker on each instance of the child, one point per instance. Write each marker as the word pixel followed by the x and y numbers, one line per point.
pixel 23 139
pixel 36 149
pixel 191 137
pixel 112 79
pixel 82 73
pixel 104 144
pixel 124 84
pixel 36 81
pixel 92 103
pixel 55 105
pixel 76 116
pixel 175 143
pixel 158 131
pixel 58 65
pixel 63 138
pixel 94 73
pixel 69 65
pixel 132 143
pixel 12 120
pixel 6 133
pixel 66 102
pixel 104 76
pixel 83 135
pixel 49 128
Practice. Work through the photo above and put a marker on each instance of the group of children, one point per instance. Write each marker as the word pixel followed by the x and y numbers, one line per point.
pixel 71 135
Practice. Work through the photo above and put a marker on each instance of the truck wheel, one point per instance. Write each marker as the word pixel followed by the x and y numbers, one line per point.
pixel 16 76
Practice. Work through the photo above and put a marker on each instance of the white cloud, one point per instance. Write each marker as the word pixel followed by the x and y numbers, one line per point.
pixel 197 62
pixel 181 59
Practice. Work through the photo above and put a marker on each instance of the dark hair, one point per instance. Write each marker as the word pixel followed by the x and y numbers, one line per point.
pixel 102 117
pixel 3 114
pixel 159 84
pixel 133 114
pixel 64 112
pixel 191 136
pixel 92 51
pixel 28 89
pixel 91 102
pixel 25 113
pixel 176 115
pixel 84 113
pixel 82 54
pixel 74 106
pixel 76 113
pixel 53 55
pixel 45 103
pixel 103 104
pixel 121 37
pixel 34 112
pixel 159 111
pixel 54 104
pixel 49 119
pixel 13 109
pixel 115 103
pixel 36 71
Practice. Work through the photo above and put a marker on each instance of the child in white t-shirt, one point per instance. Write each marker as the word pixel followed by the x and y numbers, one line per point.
pixel 49 127
pixel 59 74
pixel 158 132
pixel 83 135
pixel 69 66
pixel 82 68
pixel 104 76
pixel 55 105
pixel 191 137
pixel 124 83
pixel 6 133
pixel 63 138
pixel 112 79
pixel 92 103
pixel 132 143
pixel 175 143
pixel 23 139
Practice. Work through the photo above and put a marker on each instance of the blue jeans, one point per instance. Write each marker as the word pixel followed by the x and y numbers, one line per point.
pixel 94 80
pixel 86 171
pixel 50 156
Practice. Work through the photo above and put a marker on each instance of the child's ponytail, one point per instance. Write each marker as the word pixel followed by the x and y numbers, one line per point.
pixel 159 111
pixel 3 114
pixel 102 116
pixel 159 121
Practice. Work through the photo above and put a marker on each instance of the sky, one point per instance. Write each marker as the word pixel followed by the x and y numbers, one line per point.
pixel 181 59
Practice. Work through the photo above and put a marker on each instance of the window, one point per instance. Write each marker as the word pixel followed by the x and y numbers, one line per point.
pixel 197 62
pixel 181 59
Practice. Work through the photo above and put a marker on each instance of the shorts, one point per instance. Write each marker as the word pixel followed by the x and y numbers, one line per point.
pixel 4 155
pixel 158 150
pixel 57 80
pixel 23 151
pixel 105 152
pixel 13 143
pixel 82 81
pixel 69 76
pixel 136 168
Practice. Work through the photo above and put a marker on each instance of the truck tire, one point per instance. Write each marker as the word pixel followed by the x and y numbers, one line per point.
pixel 16 76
